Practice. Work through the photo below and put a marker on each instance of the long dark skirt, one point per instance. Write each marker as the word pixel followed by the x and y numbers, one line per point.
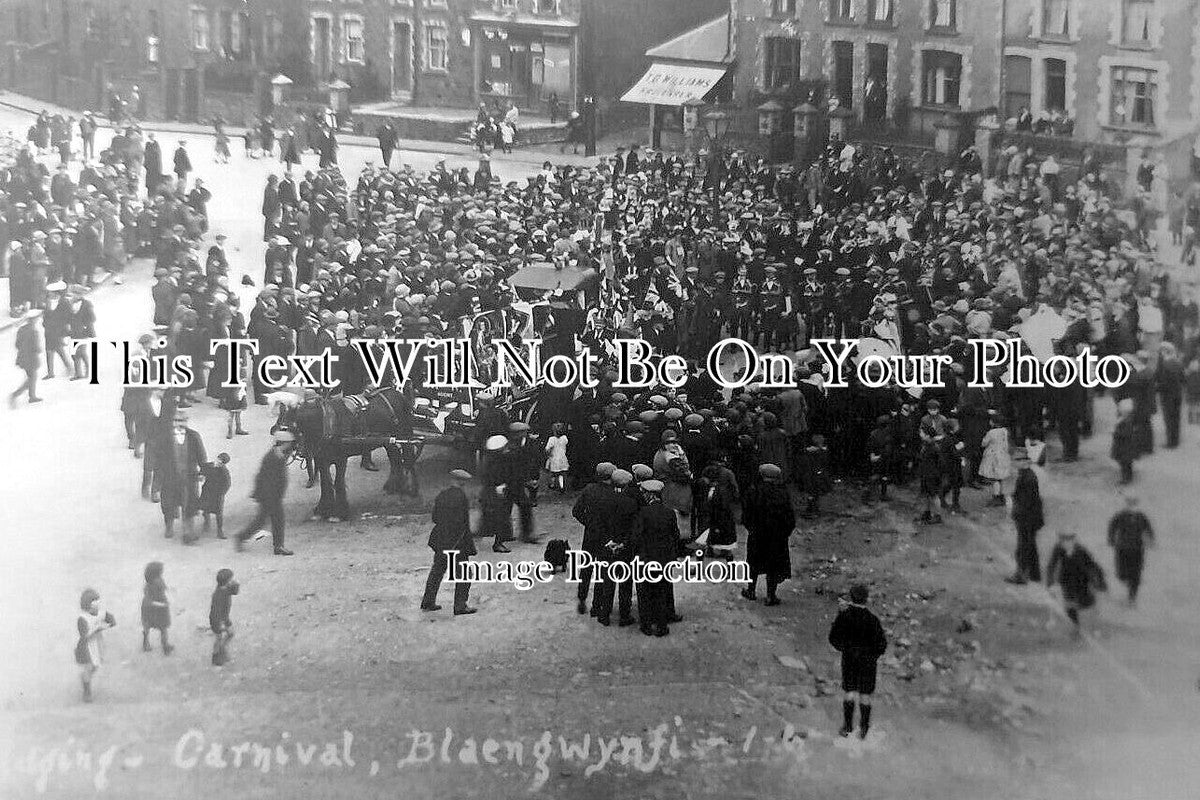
pixel 1028 562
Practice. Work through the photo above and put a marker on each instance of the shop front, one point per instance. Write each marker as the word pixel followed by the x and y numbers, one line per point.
pixel 527 65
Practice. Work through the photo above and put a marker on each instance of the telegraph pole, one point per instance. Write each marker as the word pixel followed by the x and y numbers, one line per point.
pixel 587 108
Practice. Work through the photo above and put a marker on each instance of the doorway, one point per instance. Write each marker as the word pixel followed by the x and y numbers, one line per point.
pixel 171 101
pixel 191 95
pixel 875 92
pixel 521 72
pixel 843 73
pixel 321 40
pixel 401 60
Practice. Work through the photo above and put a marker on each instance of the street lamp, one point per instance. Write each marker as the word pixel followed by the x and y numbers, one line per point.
pixel 691 122
pixel 716 122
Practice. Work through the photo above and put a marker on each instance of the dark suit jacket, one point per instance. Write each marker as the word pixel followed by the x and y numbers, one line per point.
pixel 270 484
pixel 452 522
pixel 176 483
pixel 658 534
pixel 596 510
pixel 83 321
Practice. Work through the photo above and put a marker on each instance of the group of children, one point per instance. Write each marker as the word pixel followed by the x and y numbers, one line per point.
pixel 156 616
pixel 933 447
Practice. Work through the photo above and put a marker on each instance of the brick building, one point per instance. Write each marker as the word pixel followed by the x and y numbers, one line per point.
pixel 884 60
pixel 1127 72
pixel 1124 70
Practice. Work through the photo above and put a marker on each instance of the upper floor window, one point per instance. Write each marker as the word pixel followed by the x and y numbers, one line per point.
pixel 941 77
pixel 153 43
pixel 1056 18
pixel 200 29
pixel 781 61
pixel 272 34
pixel 1055 95
pixel 353 27
pixel 1134 94
pixel 21 23
pixel 943 14
pixel 437 48
pixel 783 8
pixel 841 10
pixel 1135 21
pixel 880 11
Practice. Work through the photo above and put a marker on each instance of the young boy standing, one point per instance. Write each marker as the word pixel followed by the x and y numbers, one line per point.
pixel 218 615
pixel 858 635
pixel 212 493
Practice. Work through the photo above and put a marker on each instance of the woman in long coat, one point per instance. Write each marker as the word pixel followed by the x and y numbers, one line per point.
pixel 1125 441
pixel 770 519
pixel 495 503
pixel 1028 519
pixel 672 468
pixel 774 445
pixel 996 464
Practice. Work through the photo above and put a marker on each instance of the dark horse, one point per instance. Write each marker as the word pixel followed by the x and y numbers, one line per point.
pixel 329 431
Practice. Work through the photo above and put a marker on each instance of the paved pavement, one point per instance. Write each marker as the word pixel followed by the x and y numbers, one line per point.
pixel 521 155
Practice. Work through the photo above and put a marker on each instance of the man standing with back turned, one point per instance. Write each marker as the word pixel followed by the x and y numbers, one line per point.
pixel 451 531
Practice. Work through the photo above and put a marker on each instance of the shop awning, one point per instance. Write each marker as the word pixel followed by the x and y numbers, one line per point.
pixel 673 84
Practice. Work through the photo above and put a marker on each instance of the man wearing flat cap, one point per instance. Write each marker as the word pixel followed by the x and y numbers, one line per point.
pixel 451 532
pixel 270 486
pixel 525 458
pixel 657 542
pixel 29 357
pixel 619 546
pixel 595 510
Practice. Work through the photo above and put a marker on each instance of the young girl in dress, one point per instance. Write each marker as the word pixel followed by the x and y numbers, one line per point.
pixel 556 457
pixel 156 609
pixel 996 464
pixel 90 625
pixel 233 400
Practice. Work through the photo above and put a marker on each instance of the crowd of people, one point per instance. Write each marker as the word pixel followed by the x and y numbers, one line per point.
pixel 861 243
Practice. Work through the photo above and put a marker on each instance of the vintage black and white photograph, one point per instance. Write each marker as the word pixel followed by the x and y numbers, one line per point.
pixel 600 399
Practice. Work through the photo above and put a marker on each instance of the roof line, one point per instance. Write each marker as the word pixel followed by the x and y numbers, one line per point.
pixel 686 33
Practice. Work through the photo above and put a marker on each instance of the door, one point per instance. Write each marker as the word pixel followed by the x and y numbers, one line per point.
pixel 875 92
pixel 321 47
pixel 843 73
pixel 520 69
pixel 401 58
pixel 191 94
pixel 172 98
